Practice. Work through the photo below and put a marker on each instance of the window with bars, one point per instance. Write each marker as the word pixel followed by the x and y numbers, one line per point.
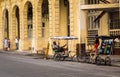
pixel 92 26
pixel 114 25
pixel 92 33
pixel 114 20
pixel 92 1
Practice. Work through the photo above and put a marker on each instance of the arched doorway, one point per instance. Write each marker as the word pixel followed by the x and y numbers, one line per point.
pixel 42 25
pixel 15 28
pixel 45 21
pixel 5 24
pixel 29 21
pixel 15 22
pixel 27 25
pixel 18 22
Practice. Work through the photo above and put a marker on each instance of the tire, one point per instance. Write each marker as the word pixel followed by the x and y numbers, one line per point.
pixel 108 61
pixel 98 60
pixel 62 57
pixel 79 58
pixel 57 57
pixel 88 57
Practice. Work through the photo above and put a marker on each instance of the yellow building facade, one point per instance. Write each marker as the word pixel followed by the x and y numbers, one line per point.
pixel 34 22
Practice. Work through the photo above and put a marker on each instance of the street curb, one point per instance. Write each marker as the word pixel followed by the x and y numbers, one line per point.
pixel 13 52
pixel 116 64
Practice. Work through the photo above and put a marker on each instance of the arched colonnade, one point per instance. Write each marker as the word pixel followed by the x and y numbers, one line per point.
pixel 33 22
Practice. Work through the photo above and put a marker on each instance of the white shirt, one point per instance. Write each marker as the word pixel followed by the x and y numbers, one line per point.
pixel 55 46
pixel 5 43
pixel 16 40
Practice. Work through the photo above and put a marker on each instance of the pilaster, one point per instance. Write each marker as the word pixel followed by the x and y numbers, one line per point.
pixel 71 3
pixel 82 25
pixel 13 26
pixel 57 18
pixel 38 26
pixel 1 28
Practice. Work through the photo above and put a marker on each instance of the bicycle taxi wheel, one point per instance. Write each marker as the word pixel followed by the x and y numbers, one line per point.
pixel 108 60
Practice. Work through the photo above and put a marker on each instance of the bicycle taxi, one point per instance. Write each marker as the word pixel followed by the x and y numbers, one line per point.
pixel 104 51
pixel 68 41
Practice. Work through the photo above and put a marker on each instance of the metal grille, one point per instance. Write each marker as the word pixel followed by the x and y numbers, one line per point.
pixel 91 33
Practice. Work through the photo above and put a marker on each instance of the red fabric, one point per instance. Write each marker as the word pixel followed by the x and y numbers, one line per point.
pixel 96 45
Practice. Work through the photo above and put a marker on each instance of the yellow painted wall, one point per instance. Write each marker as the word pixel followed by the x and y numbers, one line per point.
pixel 104 25
pixel 63 19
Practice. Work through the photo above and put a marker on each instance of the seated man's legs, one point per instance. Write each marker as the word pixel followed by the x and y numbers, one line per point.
pixel 66 52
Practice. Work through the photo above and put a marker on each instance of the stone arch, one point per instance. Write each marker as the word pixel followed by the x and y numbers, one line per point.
pixel 15 22
pixel 42 27
pixel 27 25
pixel 40 13
pixel 15 28
pixel 45 21
pixel 5 22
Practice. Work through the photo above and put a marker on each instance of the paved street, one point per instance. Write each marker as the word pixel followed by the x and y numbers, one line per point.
pixel 25 66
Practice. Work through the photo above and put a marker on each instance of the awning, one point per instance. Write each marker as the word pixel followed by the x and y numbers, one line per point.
pixel 64 38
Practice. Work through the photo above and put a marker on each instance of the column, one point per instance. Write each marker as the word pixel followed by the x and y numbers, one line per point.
pixel 82 26
pixel 1 27
pixel 57 18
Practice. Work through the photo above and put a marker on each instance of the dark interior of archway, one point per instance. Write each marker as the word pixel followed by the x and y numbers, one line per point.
pixel 68 19
pixel 45 9
pixel 30 14
pixel 6 23
pixel 17 16
pixel 30 17
pixel 45 14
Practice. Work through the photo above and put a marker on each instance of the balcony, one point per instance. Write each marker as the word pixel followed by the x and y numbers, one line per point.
pixel 100 6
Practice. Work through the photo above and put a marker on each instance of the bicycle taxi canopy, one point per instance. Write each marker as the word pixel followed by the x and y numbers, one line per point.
pixel 64 38
pixel 105 37
pixel 101 37
pixel 67 38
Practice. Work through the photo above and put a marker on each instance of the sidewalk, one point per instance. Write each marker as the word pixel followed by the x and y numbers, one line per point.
pixel 16 52
pixel 115 58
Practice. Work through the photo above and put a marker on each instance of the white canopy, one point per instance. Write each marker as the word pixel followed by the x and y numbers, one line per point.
pixel 64 38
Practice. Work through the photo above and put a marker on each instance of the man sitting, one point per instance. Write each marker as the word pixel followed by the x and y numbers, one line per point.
pixel 57 48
